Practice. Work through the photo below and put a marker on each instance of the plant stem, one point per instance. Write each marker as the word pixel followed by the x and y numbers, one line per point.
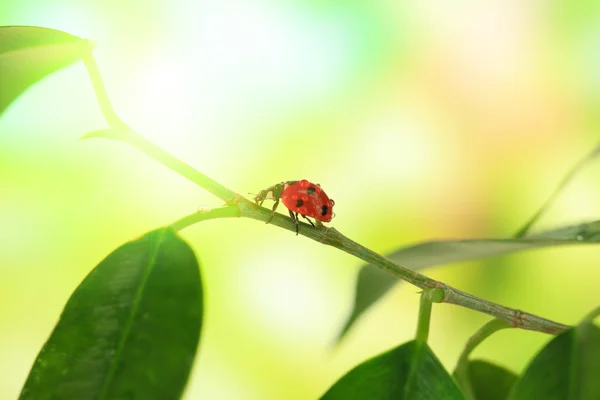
pixel 185 170
pixel 425 303
pixel 461 372
pixel 482 333
pixel 121 131
pixel 105 105
pixel 512 316
pixel 238 206
pixel 205 214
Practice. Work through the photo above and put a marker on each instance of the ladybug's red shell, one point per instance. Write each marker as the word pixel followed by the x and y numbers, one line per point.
pixel 307 199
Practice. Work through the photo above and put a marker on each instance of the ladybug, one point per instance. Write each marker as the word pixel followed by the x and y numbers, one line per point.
pixel 300 197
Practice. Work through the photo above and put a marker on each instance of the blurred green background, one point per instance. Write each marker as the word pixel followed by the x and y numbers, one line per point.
pixel 422 119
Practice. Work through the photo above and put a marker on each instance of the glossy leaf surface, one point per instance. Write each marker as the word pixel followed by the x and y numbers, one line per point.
pixel 129 331
pixel 482 380
pixel 408 372
pixel 568 368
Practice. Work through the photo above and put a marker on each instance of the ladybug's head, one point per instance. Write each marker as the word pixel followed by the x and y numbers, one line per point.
pixel 261 196
pixel 273 193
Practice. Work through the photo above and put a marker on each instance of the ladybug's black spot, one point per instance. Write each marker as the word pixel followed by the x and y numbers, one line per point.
pixel 299 203
pixel 324 210
pixel 310 190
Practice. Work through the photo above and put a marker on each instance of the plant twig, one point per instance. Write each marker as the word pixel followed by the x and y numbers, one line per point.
pixel 204 215
pixel 424 318
pixel 121 131
pixel 482 333
pixel 428 297
pixel 238 206
pixel 105 105
pixel 461 372
pixel 452 295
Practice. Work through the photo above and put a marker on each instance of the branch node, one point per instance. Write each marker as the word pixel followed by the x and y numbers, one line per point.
pixel 235 202
pixel 517 320
pixel 325 239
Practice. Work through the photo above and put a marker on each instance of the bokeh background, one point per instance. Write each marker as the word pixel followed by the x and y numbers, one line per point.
pixel 422 119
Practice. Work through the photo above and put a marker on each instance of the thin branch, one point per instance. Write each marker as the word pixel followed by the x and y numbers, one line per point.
pixel 461 372
pixel 175 164
pixel 105 105
pixel 428 297
pixel 204 215
pixel 332 237
pixel 514 317
pixel 238 206
pixel 482 333
pixel 120 131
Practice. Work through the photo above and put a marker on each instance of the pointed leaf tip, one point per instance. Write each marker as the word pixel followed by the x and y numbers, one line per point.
pixel 130 330
pixel 482 380
pixel 410 371
pixel 30 53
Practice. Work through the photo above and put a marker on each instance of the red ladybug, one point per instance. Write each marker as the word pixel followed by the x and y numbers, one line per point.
pixel 300 197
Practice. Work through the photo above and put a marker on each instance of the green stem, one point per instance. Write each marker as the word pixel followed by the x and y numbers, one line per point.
pixel 425 304
pixel 237 206
pixel 206 214
pixel 185 170
pixel 482 333
pixel 105 105
pixel 461 372
pixel 514 317
pixel 121 131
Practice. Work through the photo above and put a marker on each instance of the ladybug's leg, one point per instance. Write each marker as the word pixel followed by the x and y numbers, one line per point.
pixel 295 219
pixel 306 218
pixel 274 208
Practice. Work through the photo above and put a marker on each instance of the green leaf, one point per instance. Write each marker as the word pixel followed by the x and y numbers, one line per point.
pixel 129 331
pixel 524 230
pixel 410 371
pixel 568 368
pixel 373 283
pixel 481 380
pixel 29 53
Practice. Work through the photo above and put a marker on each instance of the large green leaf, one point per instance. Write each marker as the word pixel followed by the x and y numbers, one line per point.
pixel 482 380
pixel 408 372
pixel 29 53
pixel 373 283
pixel 568 368
pixel 129 331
